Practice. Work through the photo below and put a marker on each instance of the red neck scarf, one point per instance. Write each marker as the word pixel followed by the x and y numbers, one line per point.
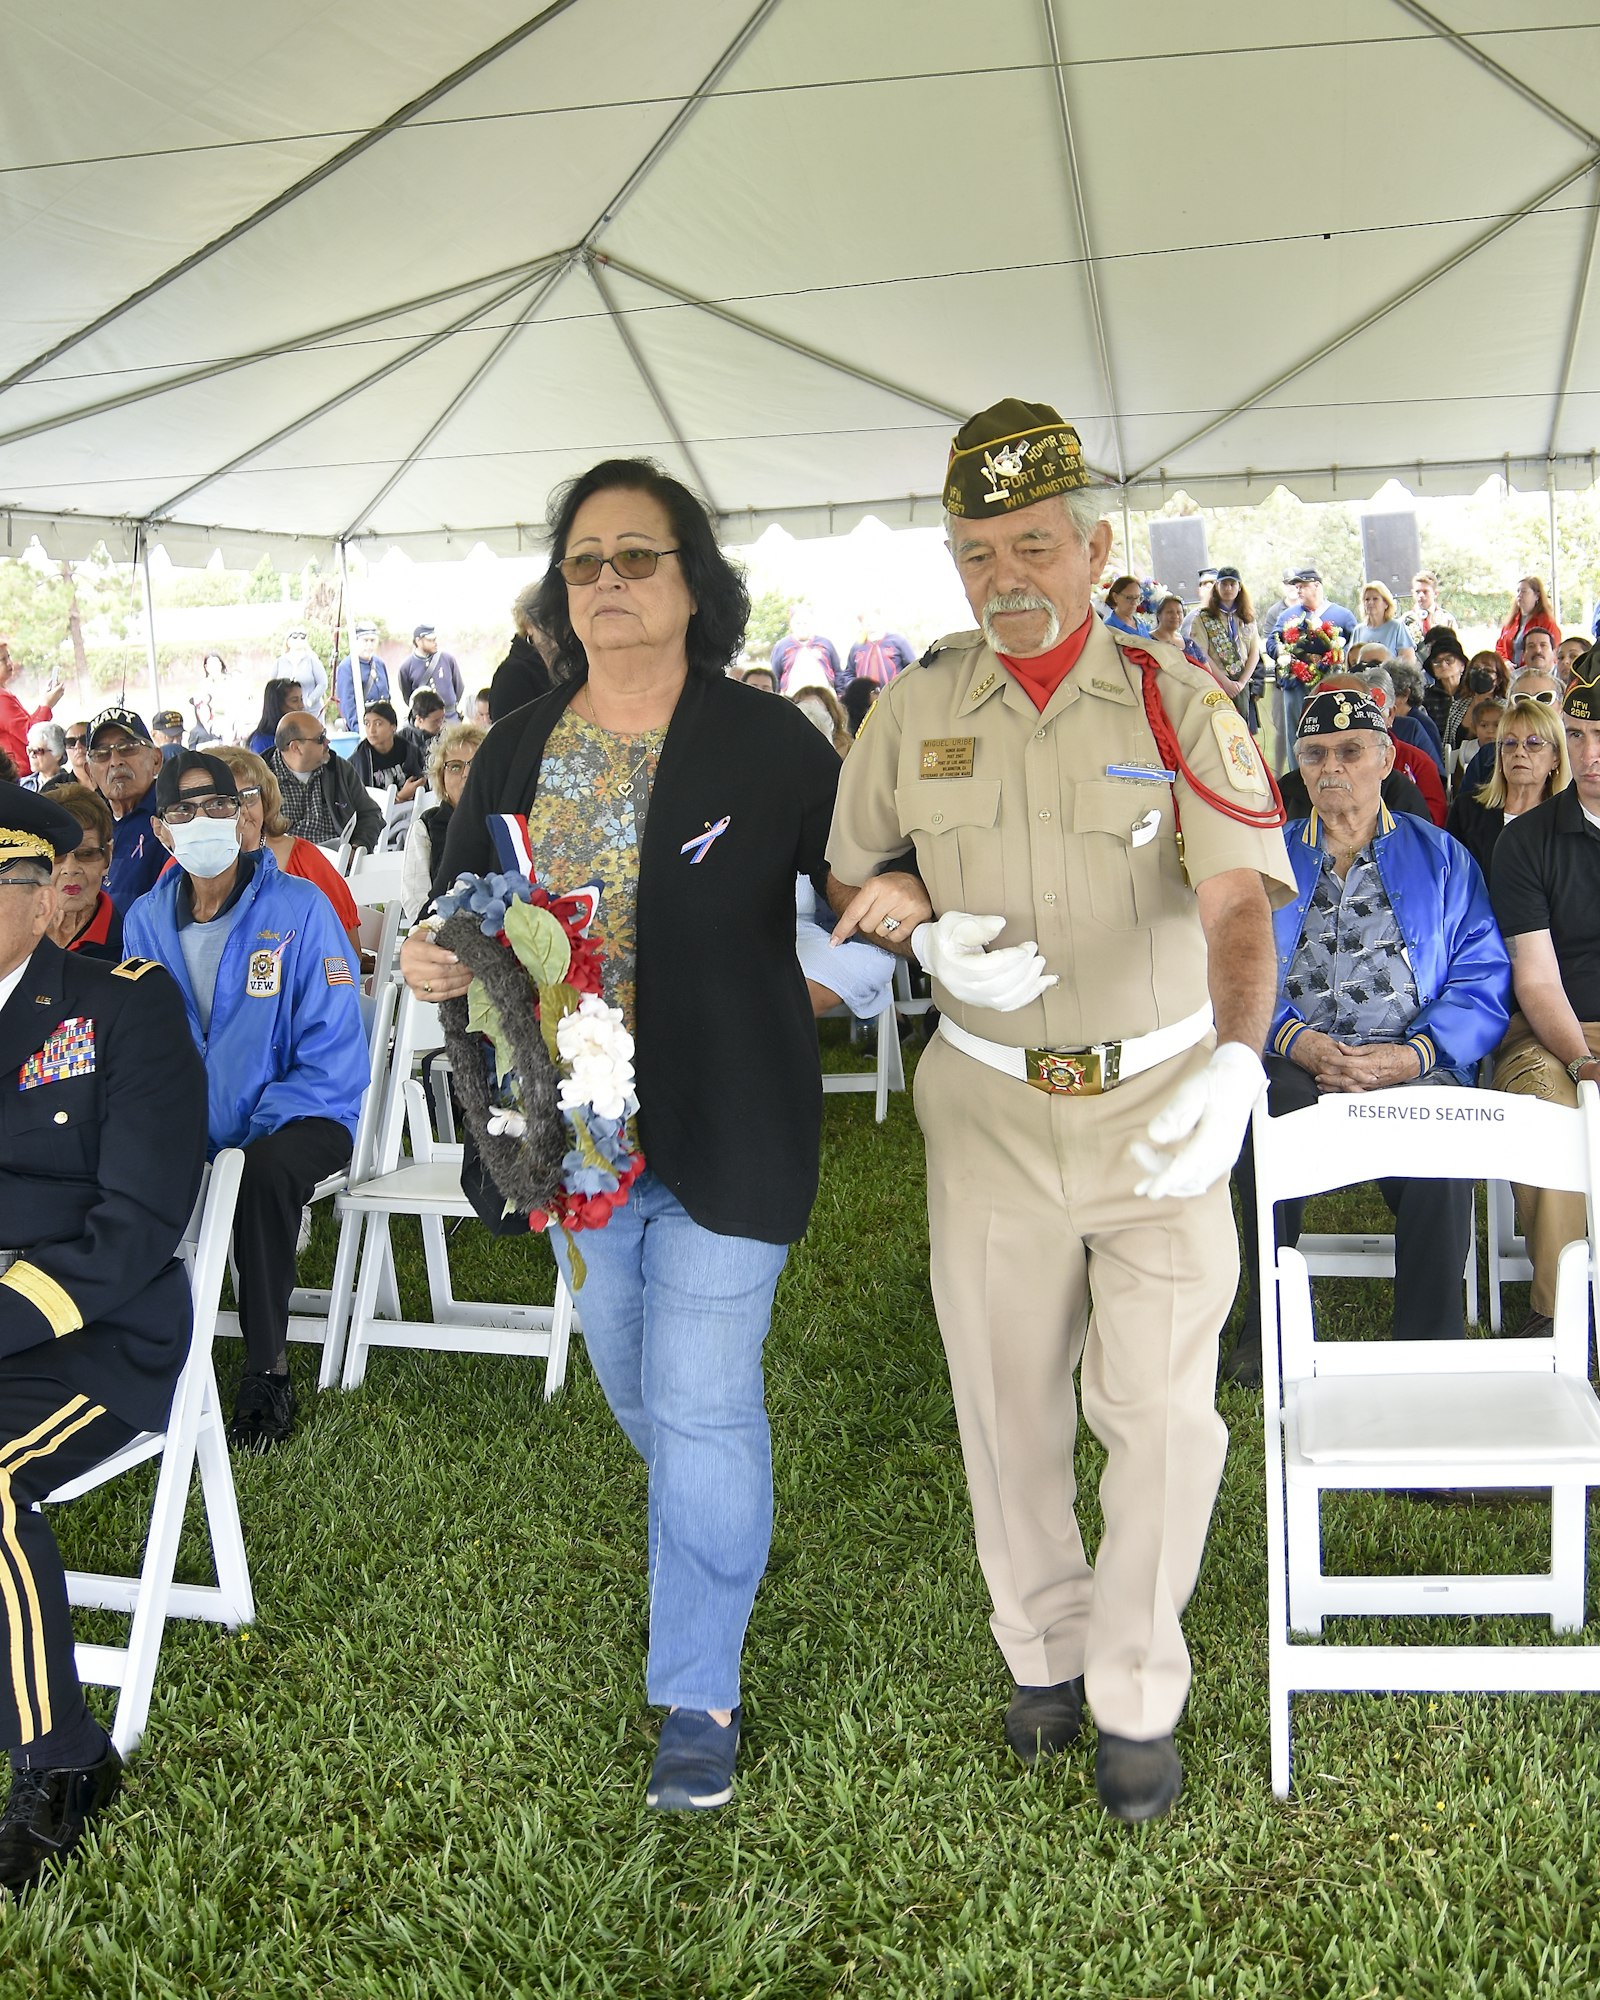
pixel 1041 675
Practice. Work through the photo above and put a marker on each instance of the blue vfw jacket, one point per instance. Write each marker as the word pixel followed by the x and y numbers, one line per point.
pixel 1453 944
pixel 286 1039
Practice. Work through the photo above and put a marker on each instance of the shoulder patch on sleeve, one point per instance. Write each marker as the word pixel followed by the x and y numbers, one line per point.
pixel 134 968
pixel 1240 758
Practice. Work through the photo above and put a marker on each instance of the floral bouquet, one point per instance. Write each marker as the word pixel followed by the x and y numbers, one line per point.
pixel 544 1068
pixel 1308 648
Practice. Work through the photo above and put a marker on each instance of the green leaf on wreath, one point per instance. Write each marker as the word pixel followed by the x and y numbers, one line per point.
pixel 556 1001
pixel 590 1152
pixel 539 941
pixel 482 1019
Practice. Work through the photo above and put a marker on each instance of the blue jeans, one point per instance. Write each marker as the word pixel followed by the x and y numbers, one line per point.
pixel 674 1318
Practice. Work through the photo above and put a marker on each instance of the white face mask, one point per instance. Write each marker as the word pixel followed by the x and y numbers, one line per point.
pixel 205 847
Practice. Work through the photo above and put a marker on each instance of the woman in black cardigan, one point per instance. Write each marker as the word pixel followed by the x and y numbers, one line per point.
pixel 694 801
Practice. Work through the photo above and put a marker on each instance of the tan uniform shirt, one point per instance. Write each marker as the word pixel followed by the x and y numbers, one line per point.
pixel 1024 815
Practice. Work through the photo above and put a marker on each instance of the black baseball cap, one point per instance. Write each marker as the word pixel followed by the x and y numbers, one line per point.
pixel 119 718
pixel 422 631
pixel 1227 574
pixel 169 784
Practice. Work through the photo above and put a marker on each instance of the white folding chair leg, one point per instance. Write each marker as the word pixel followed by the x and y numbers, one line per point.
pixel 369 1269
pixel 345 1261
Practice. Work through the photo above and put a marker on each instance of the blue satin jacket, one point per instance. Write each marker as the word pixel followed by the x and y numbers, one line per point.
pixel 1453 944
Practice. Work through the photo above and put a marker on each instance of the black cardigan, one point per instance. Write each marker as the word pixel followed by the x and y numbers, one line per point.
pixel 730 1092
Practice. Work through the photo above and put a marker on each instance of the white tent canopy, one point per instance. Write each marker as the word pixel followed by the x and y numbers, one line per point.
pixel 281 273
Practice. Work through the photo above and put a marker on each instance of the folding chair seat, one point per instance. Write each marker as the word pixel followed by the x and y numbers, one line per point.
pixel 195 1434
pixel 375 877
pixel 1402 1415
pixel 428 1186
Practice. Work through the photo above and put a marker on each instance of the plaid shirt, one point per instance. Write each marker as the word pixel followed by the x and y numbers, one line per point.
pixel 309 804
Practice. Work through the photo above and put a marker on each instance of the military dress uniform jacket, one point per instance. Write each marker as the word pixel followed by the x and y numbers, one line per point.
pixel 1064 823
pixel 102 1145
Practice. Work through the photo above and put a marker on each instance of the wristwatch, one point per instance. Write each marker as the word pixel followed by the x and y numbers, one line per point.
pixel 1579 1062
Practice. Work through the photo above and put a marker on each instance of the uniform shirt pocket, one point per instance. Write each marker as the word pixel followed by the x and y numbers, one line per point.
pixel 955 825
pixel 1124 879
pixel 51 1129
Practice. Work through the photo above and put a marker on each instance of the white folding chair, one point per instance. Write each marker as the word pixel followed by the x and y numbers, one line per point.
pixel 375 878
pixel 888 1070
pixel 194 1434
pixel 380 935
pixel 428 1185
pixel 1372 1256
pixel 1431 1414
pixel 1509 1262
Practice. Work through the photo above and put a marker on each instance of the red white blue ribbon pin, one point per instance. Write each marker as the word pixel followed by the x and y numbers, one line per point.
pixel 700 846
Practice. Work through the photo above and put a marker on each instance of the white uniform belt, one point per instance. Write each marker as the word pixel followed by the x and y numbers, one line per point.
pixel 1082 1072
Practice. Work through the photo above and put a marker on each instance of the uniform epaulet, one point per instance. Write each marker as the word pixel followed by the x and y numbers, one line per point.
pixel 952 642
pixel 134 968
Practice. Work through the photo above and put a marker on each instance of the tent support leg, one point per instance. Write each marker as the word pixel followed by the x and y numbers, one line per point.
pixel 1555 579
pixel 143 540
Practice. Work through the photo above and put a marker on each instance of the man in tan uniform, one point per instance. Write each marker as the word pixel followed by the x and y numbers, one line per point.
pixel 1086 1094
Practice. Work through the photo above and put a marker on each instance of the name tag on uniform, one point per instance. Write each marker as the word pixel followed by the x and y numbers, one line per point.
pixel 262 978
pixel 947 756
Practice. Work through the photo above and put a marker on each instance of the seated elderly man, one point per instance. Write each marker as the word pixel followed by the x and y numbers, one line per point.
pixel 321 792
pixel 1391 971
pixel 269 989
pixel 123 763
pixel 101 1084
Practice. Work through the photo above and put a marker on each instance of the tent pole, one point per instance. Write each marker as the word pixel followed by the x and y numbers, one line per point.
pixel 1127 536
pixel 1555 580
pixel 142 557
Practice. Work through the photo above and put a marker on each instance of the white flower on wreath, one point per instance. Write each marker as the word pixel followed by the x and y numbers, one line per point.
pixel 598 1050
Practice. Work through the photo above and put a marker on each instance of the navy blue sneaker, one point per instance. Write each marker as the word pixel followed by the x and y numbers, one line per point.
pixel 693 1771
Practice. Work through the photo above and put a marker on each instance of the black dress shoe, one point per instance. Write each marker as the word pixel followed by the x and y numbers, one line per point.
pixel 47 1813
pixel 1043 1720
pixel 1242 1364
pixel 263 1413
pixel 1137 1780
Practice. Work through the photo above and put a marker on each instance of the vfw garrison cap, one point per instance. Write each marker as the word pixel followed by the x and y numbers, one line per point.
pixel 1011 455
pixel 1582 701
pixel 1339 709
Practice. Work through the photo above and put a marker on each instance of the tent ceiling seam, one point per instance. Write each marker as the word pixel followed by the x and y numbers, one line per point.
pixel 1499 72
pixel 1371 319
pixel 546 285
pixel 288 195
pixel 1580 301
pixel 228 364
pixel 776 339
pixel 331 403
pixel 1081 214
pixel 636 356
pixel 680 119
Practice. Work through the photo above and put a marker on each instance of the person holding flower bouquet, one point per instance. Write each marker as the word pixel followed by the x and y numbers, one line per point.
pixel 1308 642
pixel 620 870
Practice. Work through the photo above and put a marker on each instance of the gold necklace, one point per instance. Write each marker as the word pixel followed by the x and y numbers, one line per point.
pixel 608 741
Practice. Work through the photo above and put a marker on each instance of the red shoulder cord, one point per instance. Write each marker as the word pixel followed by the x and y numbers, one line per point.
pixel 1172 755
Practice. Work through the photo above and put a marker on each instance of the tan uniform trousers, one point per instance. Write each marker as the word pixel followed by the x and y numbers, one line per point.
pixel 1550 1218
pixel 1042 1256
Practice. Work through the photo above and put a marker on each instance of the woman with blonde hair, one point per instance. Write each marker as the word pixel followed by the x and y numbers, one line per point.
pixel 821 709
pixel 453 751
pixel 1530 766
pixel 262 824
pixel 1529 607
pixel 1380 625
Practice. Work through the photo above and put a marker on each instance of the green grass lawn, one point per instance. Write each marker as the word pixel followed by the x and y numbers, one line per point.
pixel 422 1772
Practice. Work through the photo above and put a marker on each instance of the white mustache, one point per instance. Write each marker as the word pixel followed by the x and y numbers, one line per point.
pixel 1021 600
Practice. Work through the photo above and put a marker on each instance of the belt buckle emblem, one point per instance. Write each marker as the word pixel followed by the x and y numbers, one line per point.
pixel 1074 1072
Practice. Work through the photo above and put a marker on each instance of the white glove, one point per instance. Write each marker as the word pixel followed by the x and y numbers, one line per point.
pixel 1208 1114
pixel 952 950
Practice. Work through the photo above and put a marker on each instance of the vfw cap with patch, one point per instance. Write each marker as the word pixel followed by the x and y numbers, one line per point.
pixel 1011 455
pixel 1582 701
pixel 1339 709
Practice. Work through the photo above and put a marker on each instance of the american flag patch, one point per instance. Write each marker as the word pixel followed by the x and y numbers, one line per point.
pixel 338 971
pixel 68 1052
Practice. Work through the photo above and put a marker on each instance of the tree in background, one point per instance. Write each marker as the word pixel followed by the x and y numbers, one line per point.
pixel 769 621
